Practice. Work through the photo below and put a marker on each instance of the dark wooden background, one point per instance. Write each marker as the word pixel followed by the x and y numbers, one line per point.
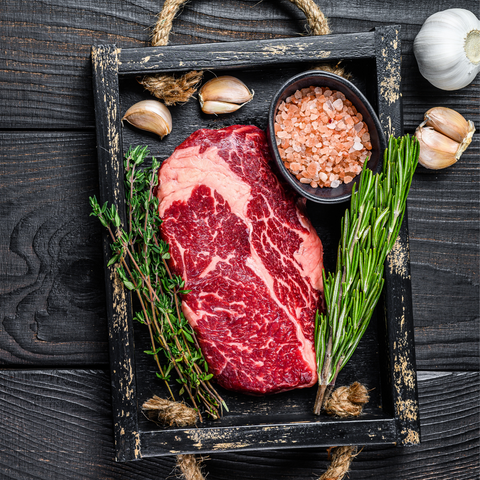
pixel 55 410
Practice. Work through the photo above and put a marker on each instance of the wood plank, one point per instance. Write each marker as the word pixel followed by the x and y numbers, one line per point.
pixel 52 297
pixel 119 306
pixel 253 53
pixel 57 423
pixel 443 209
pixel 51 266
pixel 46 54
pixel 370 431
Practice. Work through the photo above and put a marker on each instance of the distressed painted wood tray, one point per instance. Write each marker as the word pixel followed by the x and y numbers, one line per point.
pixel 384 360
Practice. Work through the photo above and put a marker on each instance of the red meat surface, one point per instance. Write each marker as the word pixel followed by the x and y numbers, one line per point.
pixel 252 260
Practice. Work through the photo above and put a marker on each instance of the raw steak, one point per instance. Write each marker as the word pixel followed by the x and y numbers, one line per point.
pixel 251 259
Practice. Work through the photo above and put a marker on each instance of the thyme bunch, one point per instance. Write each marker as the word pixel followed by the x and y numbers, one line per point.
pixel 369 230
pixel 141 263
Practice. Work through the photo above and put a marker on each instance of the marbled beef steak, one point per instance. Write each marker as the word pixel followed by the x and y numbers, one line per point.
pixel 251 259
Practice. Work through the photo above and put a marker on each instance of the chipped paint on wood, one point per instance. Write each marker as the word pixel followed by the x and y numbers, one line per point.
pixel 399 258
pixel 285 49
pixel 411 437
pixel 407 374
pixel 199 436
pixel 390 85
pixel 389 80
pixel 105 73
pixel 231 446
pixel 407 409
pixel 138 453
pixel 118 298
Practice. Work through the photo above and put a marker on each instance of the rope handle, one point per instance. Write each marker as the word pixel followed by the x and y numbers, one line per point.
pixel 316 19
pixel 344 402
pixel 178 90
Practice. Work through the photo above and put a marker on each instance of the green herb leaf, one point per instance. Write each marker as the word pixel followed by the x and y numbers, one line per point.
pixel 369 230
pixel 142 267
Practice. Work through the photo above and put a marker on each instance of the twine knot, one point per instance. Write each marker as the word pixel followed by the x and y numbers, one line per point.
pixel 166 412
pixel 344 402
pixel 347 401
pixel 190 466
pixel 176 414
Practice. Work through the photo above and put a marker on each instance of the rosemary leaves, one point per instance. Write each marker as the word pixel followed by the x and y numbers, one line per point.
pixel 369 230
pixel 141 259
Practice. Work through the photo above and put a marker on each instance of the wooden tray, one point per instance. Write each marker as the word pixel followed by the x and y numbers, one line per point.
pixel 384 360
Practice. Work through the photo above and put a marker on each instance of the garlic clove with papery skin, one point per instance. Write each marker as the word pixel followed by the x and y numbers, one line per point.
pixel 150 115
pixel 224 94
pixel 216 108
pixel 447 48
pixel 450 123
pixel 443 135
pixel 437 151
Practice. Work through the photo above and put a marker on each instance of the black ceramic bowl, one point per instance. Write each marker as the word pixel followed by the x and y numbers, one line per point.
pixel 318 78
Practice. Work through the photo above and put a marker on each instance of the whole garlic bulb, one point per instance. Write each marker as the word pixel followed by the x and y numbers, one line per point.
pixel 447 48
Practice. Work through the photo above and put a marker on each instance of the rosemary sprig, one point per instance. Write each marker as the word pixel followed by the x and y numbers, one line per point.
pixel 369 230
pixel 141 262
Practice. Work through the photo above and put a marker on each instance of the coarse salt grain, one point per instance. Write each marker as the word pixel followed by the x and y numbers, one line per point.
pixel 318 131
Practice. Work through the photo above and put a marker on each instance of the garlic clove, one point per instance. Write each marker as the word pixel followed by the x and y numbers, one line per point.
pixel 438 141
pixel 437 151
pixel 435 160
pixel 213 107
pixel 224 94
pixel 452 124
pixel 150 115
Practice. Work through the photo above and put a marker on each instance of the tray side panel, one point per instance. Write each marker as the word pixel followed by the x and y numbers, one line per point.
pixel 218 56
pixel 110 164
pixel 383 45
pixel 397 297
pixel 264 437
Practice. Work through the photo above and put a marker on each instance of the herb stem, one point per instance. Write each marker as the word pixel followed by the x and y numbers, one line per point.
pixel 140 259
pixel 369 230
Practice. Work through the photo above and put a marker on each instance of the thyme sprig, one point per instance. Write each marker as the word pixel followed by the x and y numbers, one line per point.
pixel 141 263
pixel 369 230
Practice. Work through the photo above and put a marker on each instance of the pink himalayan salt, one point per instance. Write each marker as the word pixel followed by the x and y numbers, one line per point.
pixel 319 131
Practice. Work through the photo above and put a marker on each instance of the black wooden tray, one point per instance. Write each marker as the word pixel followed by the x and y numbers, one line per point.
pixel 384 360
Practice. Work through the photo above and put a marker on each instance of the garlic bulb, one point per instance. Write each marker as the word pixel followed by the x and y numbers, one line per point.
pixel 224 94
pixel 443 136
pixel 447 48
pixel 150 115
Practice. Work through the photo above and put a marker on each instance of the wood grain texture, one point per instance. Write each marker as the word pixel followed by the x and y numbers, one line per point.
pixel 47 44
pixel 443 209
pixel 246 54
pixel 52 297
pixel 57 424
pixel 119 307
pixel 51 269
